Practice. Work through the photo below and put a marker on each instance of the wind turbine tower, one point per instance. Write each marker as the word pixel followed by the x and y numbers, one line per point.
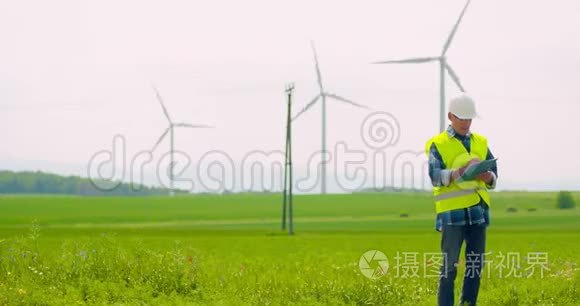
pixel 443 67
pixel 322 95
pixel 170 130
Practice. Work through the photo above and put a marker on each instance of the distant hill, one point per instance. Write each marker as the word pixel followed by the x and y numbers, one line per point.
pixel 46 183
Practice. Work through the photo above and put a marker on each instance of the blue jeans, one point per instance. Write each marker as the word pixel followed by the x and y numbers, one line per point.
pixel 452 238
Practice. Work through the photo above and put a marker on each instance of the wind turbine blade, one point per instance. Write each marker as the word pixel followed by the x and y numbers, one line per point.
pixel 308 106
pixel 195 126
pixel 318 74
pixel 339 98
pixel 454 76
pixel 417 60
pixel 161 138
pixel 161 102
pixel 452 34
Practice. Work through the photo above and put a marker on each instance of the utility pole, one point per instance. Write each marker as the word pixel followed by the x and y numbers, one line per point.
pixel 288 167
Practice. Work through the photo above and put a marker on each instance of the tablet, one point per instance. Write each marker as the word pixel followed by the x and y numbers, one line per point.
pixel 474 170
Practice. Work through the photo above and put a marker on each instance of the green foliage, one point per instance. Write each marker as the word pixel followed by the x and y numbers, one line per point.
pixel 229 250
pixel 45 183
pixel 565 200
pixel 101 270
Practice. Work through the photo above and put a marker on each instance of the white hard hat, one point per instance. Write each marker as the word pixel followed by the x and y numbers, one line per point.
pixel 463 107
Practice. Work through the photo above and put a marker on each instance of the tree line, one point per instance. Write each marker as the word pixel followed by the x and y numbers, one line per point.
pixel 28 182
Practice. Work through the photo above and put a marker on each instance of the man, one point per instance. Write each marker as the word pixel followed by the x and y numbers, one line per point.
pixel 462 207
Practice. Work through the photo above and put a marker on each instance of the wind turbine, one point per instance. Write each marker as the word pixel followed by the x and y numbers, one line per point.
pixel 322 95
pixel 443 65
pixel 169 129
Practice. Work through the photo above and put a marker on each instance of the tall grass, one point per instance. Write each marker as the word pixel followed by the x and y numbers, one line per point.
pixel 101 270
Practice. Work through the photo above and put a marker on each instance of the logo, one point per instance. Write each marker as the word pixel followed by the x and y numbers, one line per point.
pixel 373 264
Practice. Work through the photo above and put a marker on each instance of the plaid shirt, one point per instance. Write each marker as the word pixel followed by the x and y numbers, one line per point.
pixel 440 176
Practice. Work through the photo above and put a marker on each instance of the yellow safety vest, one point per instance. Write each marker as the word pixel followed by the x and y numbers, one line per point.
pixel 454 155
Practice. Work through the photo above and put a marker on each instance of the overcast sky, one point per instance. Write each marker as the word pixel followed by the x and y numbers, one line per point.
pixel 73 74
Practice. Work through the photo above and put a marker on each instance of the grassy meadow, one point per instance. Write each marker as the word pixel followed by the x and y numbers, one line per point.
pixel 210 249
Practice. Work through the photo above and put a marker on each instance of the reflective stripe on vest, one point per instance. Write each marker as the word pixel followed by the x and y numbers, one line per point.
pixel 455 194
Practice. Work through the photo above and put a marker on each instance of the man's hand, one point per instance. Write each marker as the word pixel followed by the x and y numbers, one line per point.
pixel 485 177
pixel 457 173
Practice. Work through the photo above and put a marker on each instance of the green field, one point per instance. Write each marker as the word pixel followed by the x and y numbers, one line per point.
pixel 230 250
